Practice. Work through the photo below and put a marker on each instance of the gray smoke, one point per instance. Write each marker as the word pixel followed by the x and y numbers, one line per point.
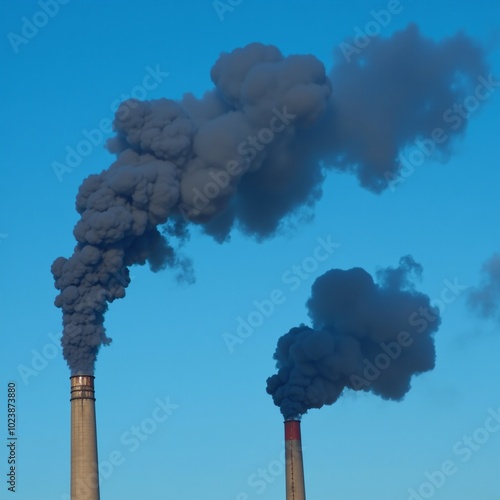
pixel 485 299
pixel 397 91
pixel 250 155
pixel 366 336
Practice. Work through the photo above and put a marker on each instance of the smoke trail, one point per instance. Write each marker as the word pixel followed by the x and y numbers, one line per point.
pixel 248 155
pixel 485 299
pixel 398 90
pixel 367 336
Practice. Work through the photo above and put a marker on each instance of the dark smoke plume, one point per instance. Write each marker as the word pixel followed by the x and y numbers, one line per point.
pixel 396 91
pixel 249 154
pixel 485 299
pixel 367 336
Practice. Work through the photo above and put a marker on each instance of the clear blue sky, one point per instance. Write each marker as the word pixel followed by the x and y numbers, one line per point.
pixel 223 440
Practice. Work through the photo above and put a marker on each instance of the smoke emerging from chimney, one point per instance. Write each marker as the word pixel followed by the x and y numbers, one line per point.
pixel 485 299
pixel 367 336
pixel 248 155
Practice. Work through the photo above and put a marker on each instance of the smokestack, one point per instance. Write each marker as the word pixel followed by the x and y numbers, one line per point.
pixel 84 465
pixel 295 488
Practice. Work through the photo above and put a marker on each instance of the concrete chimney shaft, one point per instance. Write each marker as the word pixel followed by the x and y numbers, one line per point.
pixel 84 464
pixel 295 488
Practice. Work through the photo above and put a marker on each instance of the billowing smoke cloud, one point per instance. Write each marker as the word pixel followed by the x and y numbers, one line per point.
pixel 366 336
pixel 250 154
pixel 394 94
pixel 485 299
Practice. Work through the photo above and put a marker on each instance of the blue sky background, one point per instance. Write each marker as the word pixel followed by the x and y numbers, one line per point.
pixel 224 441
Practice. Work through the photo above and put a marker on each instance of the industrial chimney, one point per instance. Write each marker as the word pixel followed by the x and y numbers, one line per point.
pixel 295 489
pixel 84 465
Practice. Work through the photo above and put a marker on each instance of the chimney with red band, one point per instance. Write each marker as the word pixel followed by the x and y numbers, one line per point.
pixel 295 488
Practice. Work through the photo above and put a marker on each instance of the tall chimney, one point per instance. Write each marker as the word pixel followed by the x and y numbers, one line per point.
pixel 295 489
pixel 84 465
